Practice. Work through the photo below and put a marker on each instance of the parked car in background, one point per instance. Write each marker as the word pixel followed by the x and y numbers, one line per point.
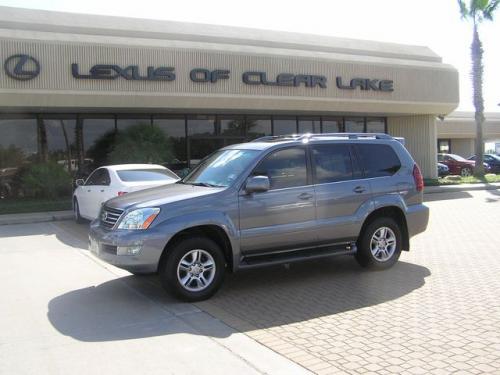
pixel 492 160
pixel 443 170
pixel 457 164
pixel 114 180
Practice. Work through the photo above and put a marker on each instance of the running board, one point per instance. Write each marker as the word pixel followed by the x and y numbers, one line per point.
pixel 265 260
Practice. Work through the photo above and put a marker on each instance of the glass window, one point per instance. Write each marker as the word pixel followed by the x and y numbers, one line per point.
pixel 375 125
pixel 258 127
pixel 221 168
pixel 99 177
pixel 285 125
pixel 378 160
pixel 354 125
pixel 309 125
pixel 233 125
pixel 18 142
pixel 201 140
pixel 332 125
pixel 175 130
pixel 332 163
pixel 444 146
pixel 285 168
pixel 133 175
pixel 98 139
pixel 123 122
pixel 61 141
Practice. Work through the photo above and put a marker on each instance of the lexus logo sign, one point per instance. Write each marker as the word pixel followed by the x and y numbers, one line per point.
pixel 22 67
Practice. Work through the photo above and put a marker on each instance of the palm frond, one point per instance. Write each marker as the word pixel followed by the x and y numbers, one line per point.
pixel 488 11
pixel 464 12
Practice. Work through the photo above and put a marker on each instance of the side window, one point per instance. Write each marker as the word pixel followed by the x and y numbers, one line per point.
pixel 378 160
pixel 99 177
pixel 285 168
pixel 440 158
pixel 332 163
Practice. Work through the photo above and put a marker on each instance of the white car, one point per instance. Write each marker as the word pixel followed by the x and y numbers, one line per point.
pixel 114 180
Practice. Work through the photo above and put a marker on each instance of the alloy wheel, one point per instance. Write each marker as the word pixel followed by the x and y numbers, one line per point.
pixel 196 270
pixel 383 244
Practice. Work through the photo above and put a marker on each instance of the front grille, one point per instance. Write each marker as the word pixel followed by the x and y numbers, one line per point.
pixel 109 216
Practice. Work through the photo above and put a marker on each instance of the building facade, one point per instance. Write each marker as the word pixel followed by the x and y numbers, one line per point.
pixel 68 80
pixel 457 132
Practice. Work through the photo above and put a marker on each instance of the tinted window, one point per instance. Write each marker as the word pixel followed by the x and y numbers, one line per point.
pixel 332 163
pixel 285 168
pixel 378 160
pixel 146 175
pixel 99 177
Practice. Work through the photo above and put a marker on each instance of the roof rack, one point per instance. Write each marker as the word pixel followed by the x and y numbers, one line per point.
pixel 298 137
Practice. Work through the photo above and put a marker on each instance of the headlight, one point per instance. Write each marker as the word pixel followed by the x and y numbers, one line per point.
pixel 139 219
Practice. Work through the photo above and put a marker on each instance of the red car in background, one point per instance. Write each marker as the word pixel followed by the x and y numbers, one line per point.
pixel 457 164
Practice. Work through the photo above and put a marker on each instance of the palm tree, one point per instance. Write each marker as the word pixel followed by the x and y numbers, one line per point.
pixel 477 11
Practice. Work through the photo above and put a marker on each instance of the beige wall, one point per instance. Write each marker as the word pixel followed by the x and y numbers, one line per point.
pixel 462 146
pixel 422 83
pixel 462 125
pixel 420 139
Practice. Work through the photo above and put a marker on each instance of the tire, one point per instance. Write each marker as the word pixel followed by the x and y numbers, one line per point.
pixel 370 254
pixel 76 212
pixel 466 172
pixel 183 274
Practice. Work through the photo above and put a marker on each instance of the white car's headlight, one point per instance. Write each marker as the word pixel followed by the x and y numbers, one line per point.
pixel 139 219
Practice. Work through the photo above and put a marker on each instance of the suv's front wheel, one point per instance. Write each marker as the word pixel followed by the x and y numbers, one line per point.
pixel 194 269
pixel 379 246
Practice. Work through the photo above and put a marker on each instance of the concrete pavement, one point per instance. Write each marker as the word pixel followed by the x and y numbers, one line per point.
pixel 64 312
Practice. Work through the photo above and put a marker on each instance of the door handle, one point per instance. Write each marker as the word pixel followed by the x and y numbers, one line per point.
pixel 88 191
pixel 359 189
pixel 102 191
pixel 305 196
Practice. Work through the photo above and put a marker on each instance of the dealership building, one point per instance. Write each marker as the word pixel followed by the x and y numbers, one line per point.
pixel 208 86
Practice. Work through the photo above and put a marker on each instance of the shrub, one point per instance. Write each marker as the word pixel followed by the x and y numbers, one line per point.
pixel 45 180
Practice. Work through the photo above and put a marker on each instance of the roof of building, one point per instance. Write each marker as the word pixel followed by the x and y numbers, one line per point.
pixel 72 23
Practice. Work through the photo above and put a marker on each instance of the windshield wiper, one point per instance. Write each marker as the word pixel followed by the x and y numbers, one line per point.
pixel 206 184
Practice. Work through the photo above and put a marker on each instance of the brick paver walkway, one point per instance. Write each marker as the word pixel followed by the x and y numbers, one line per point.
pixel 437 311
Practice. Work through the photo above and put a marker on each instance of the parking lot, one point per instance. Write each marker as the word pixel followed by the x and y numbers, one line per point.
pixel 437 311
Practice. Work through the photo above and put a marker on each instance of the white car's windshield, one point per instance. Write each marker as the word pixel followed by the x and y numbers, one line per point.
pixel 221 168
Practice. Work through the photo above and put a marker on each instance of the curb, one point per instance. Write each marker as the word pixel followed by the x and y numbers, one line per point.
pixel 35 217
pixel 462 187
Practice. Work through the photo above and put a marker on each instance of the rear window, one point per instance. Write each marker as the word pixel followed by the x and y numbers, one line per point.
pixel 135 175
pixel 378 160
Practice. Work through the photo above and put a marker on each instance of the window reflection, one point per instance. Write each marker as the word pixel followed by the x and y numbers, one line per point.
pixel 258 126
pixel 309 125
pixel 285 125
pixel 354 125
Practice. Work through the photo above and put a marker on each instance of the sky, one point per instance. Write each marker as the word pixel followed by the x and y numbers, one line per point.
pixel 432 23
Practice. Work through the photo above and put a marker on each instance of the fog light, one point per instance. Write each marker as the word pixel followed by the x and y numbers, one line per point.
pixel 128 250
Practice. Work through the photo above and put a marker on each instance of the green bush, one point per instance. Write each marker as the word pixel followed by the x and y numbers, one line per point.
pixel 141 144
pixel 101 148
pixel 45 180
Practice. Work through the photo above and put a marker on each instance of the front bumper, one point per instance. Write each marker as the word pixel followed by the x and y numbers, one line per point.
pixel 104 243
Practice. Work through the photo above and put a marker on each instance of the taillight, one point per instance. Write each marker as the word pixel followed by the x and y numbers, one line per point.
pixel 120 193
pixel 419 179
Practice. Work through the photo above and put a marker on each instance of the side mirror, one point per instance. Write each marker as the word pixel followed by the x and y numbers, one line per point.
pixel 80 182
pixel 257 184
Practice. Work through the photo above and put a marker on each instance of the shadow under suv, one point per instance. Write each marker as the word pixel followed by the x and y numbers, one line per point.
pixel 275 200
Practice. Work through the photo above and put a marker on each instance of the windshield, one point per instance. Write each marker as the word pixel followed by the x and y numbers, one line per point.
pixel 136 175
pixel 221 168
pixel 457 157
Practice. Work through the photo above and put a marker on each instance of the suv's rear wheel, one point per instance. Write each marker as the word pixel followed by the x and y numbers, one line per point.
pixel 379 246
pixel 194 269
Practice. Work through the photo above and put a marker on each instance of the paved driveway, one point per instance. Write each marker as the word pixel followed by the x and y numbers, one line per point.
pixel 436 311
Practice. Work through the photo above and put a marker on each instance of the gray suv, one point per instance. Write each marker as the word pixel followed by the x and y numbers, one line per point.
pixel 275 200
